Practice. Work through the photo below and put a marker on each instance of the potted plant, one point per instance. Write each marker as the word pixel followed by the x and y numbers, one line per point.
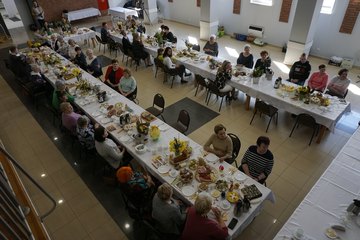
pixel 256 74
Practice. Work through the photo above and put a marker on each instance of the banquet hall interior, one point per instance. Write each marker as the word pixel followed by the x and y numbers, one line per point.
pixel 90 208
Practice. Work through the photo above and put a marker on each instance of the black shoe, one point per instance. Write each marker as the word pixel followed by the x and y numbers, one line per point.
pixel 149 65
pixel 183 81
pixel 187 74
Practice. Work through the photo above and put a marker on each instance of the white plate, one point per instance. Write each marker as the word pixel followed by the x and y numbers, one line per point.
pixel 173 173
pixel 188 191
pixel 240 177
pixel 256 200
pixel 105 120
pixel 125 138
pixel 164 169
pixel 164 127
pixel 225 205
pixel 96 114
pixel 211 158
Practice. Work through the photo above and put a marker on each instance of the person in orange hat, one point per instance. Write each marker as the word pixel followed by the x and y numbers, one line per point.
pixel 136 181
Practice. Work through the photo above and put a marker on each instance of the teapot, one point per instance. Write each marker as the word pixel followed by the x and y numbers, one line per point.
pixel 269 74
pixel 124 119
pixel 246 204
pixel 238 209
pixel 140 138
pixel 354 207
pixel 277 82
pixel 101 96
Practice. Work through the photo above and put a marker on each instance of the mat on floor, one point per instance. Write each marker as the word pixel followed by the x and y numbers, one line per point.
pixel 199 114
pixel 104 61
pixel 15 19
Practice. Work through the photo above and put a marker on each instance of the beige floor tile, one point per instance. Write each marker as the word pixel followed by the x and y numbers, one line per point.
pixel 88 218
pixel 71 230
pixel 60 217
pixel 295 177
pixel 64 175
pixel 279 166
pixel 83 202
pixel 249 233
pixel 72 188
pixel 108 230
pixel 284 189
pixel 277 208
pixel 274 229
pixel 262 223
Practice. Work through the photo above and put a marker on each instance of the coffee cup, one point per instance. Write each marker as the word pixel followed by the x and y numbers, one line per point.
pixel 299 233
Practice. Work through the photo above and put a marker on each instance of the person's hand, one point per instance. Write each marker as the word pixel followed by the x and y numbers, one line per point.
pixel 96 125
pixel 222 159
pixel 216 212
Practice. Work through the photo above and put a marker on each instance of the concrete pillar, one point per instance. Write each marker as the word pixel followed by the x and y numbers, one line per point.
pixel 150 11
pixel 303 28
pixel 208 18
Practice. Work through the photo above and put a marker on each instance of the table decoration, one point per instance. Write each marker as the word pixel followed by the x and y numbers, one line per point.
pixel 256 74
pixel 154 132
pixel 181 149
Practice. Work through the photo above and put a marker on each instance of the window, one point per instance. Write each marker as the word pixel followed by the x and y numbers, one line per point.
pixel 262 2
pixel 327 7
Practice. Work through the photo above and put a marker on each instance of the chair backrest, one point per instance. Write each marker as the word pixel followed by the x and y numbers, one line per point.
pixel 196 47
pixel 213 88
pixel 184 118
pixel 306 119
pixel 99 39
pixel 174 40
pixel 200 80
pixel 159 101
pixel 265 108
pixel 158 63
pixel 236 145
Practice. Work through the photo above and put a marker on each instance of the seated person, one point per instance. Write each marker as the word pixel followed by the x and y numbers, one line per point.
pixel 80 58
pixel 113 74
pixel 47 29
pixel 245 58
pixel 37 80
pixel 199 226
pixel 54 42
pixel 258 161
pixel 127 84
pixel 63 47
pixel 41 38
pixel 339 84
pixel 134 182
pixel 93 65
pixel 318 80
pixel 105 35
pixel 107 148
pixel 126 42
pixel 69 117
pixel 139 51
pixel 177 69
pixel 300 71
pixel 17 62
pixel 65 24
pixel 264 62
pixel 160 54
pixel 128 23
pixel 211 47
pixel 72 46
pixel 61 94
pixel 224 75
pixel 221 143
pixel 167 212
pixel 167 35
pixel 85 132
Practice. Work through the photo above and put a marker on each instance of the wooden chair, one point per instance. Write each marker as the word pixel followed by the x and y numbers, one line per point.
pixel 158 106
pixel 307 120
pixel 266 109
pixel 183 122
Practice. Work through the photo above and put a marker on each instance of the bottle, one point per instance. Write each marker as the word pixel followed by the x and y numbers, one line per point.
pixel 277 82
pixel 238 208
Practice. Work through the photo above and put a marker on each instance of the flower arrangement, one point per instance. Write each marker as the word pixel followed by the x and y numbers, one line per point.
pixel 303 90
pixel 177 146
pixel 76 71
pixel 142 127
pixel 258 72
pixel 83 85
pixel 119 24
pixel 154 132
pixel 51 59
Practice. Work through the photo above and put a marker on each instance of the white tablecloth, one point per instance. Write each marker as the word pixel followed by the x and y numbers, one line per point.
pixel 326 203
pixel 81 35
pixel 90 106
pixel 122 12
pixel 83 13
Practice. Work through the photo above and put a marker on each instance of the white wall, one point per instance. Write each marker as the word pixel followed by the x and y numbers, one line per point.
pixel 184 11
pixel 328 41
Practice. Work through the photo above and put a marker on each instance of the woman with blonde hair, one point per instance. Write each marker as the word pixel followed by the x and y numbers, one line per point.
pixel 224 75
pixel 199 226
pixel 127 84
pixel 245 58
pixel 167 212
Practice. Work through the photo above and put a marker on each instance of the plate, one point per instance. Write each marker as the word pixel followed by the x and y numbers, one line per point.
pixel 164 169
pixel 163 127
pixel 255 200
pixel 215 193
pixel 173 173
pixel 225 205
pixel 331 233
pixel 188 191
pixel 96 114
pixel 211 158
pixel 105 120
pixel 240 177
pixel 125 138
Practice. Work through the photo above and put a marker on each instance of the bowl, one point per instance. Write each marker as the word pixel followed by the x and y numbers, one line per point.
pixel 141 148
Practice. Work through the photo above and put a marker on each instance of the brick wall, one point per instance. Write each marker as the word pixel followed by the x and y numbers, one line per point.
pixel 350 17
pixel 54 8
pixel 285 11
pixel 237 6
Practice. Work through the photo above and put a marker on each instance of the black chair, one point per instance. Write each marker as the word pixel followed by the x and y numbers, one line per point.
pixel 266 109
pixel 169 73
pixel 307 120
pixel 113 46
pixel 101 42
pixel 213 89
pixel 196 47
pixel 133 96
pixel 183 122
pixel 236 149
pixel 200 81
pixel 158 64
pixel 133 59
pixel 337 95
pixel 158 106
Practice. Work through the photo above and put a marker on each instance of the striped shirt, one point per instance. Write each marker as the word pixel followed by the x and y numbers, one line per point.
pixel 258 163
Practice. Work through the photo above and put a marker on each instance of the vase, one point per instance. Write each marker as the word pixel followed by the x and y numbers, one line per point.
pixel 256 80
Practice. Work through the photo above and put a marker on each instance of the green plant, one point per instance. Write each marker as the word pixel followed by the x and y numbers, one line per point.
pixel 258 72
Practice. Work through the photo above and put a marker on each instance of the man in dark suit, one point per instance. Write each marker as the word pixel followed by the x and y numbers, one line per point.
pixel 105 35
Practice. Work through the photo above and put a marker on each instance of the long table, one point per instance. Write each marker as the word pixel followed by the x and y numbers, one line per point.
pixel 327 201
pixel 122 12
pixel 90 106
pixel 83 13
pixel 327 117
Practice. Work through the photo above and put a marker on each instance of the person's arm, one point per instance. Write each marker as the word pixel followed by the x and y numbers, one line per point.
pixel 268 62
pixel 244 163
pixel 251 61
pixel 291 72
pixel 239 60
pixel 208 144
pixel 324 82
pixel 308 70
pixel 258 63
pixel 114 152
pixel 168 63
pixel 268 167
pixel 206 47
pixel 310 82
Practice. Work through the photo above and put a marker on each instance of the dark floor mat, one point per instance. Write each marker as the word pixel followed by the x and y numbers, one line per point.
pixel 199 114
pixel 104 61
pixel 15 19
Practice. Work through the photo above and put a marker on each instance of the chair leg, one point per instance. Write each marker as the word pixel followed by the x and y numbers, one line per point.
pixel 253 116
pixel 222 99
pixel 312 136
pixel 104 48
pixel 156 71
pixel 269 124
pixel 197 88
pixel 208 99
pixel 162 117
pixel 99 47
pixel 296 123
pixel 172 81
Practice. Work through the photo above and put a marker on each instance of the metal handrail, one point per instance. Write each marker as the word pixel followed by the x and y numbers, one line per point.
pixel 9 157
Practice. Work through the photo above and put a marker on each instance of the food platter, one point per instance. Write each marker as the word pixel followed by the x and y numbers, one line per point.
pixel 206 174
pixel 164 169
pixel 221 185
pixel 232 197
pixel 215 193
pixel 147 116
pixel 331 233
pixel 188 191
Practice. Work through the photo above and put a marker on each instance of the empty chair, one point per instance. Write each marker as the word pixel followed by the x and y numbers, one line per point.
pixel 196 47
pixel 183 122
pixel 101 42
pixel 158 106
pixel 266 109
pixel 236 149
pixel 200 81
pixel 113 46
pixel 307 120
pixel 213 89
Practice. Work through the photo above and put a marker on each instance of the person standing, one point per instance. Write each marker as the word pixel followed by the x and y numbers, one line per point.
pixel 38 14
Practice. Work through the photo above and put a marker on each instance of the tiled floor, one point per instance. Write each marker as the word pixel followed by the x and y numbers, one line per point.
pixel 81 216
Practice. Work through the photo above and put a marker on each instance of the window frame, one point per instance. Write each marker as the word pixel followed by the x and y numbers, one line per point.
pixel 267 3
pixel 324 10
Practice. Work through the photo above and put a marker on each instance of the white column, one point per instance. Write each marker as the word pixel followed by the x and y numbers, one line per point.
pixel 150 11
pixel 302 32
pixel 208 18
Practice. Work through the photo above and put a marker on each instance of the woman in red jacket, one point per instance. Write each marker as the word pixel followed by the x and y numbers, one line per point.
pixel 113 75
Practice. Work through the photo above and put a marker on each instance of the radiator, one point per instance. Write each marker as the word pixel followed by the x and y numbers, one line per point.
pixel 256 31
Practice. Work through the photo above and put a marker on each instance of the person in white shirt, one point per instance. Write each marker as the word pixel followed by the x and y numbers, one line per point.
pixel 72 46
pixel 177 69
